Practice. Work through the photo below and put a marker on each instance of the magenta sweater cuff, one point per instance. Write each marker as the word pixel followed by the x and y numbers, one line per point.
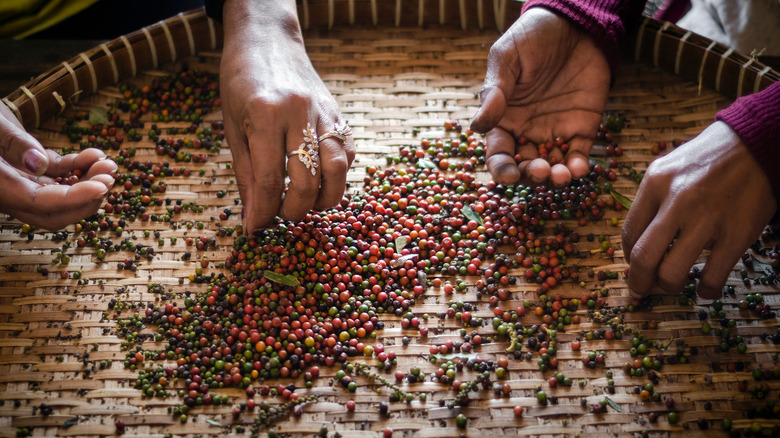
pixel 756 119
pixel 606 21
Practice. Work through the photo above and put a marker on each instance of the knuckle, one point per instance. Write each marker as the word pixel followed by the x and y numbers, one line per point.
pixel 640 258
pixel 270 105
pixel 351 154
pixel 657 172
pixel 8 141
pixel 672 278
pixel 500 48
pixel 336 166
pixel 628 237
pixel 710 281
pixel 652 173
pixel 296 98
pixel 270 185
pixel 304 187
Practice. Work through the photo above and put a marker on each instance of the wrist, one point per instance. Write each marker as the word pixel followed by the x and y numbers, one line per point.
pixel 252 22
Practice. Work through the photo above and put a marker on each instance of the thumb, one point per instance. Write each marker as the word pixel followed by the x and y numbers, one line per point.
pixel 491 111
pixel 503 71
pixel 18 147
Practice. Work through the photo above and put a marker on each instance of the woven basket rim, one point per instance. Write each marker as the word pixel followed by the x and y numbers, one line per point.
pixel 45 95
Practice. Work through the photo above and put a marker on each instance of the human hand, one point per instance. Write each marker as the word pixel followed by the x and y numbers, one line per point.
pixel 28 172
pixel 709 193
pixel 270 93
pixel 545 79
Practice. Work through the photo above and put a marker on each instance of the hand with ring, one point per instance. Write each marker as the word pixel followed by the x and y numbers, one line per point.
pixel 280 119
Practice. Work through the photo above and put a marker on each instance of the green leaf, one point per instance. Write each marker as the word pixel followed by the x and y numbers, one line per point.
pixel 594 161
pixel 400 243
pixel 69 423
pixel 426 164
pixel 98 116
pixel 215 423
pixel 470 215
pixel 625 202
pixel 614 405
pixel 287 280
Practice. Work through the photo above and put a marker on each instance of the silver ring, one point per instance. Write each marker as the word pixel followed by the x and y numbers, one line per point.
pixel 308 151
pixel 341 132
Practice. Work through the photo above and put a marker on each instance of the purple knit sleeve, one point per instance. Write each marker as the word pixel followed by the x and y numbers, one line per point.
pixel 756 119
pixel 606 21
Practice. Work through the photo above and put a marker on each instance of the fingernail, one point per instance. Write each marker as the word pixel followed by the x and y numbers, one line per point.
pixel 102 194
pixel 34 161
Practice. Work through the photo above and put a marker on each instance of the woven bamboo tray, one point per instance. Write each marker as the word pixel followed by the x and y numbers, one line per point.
pixel 389 81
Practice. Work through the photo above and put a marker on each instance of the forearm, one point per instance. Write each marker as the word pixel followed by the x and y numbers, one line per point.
pixel 756 119
pixel 606 21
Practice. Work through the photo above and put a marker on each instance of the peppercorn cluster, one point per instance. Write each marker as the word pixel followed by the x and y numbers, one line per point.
pixel 314 293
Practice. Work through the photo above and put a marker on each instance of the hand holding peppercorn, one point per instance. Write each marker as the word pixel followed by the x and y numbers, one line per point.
pixel 709 193
pixel 545 79
pixel 270 93
pixel 28 173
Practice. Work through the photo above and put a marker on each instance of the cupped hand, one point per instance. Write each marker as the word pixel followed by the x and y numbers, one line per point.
pixel 709 193
pixel 28 172
pixel 271 94
pixel 545 79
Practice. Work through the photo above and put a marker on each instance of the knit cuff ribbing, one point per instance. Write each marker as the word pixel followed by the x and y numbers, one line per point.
pixel 599 19
pixel 756 120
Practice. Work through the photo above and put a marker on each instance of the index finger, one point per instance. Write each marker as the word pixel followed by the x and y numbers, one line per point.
pixel 500 156
pixel 647 252
pixel 641 213
pixel 266 154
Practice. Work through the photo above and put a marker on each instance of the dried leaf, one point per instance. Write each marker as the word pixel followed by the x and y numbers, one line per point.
pixel 215 423
pixel 762 267
pixel 422 279
pixel 287 280
pixel 69 423
pixel 625 202
pixel 470 215
pixel 446 357
pixel 400 243
pixel 614 405
pixel 397 263
pixel 98 116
